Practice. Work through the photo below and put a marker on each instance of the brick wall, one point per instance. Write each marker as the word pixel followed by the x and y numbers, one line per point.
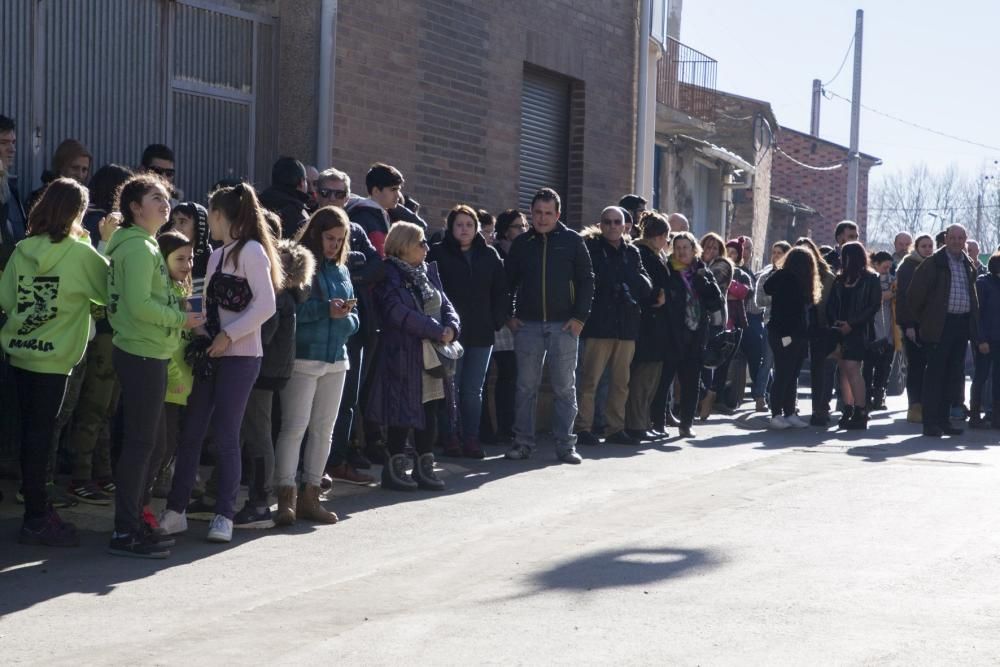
pixel 734 127
pixel 435 88
pixel 825 191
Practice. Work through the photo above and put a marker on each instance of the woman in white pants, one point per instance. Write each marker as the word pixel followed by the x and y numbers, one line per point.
pixel 311 399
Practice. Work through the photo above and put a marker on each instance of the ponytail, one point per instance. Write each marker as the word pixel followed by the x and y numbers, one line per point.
pixel 240 206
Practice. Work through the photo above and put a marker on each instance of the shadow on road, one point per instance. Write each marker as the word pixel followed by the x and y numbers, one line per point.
pixel 617 568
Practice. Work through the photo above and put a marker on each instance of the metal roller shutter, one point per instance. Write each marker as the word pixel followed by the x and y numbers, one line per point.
pixel 16 80
pixel 544 135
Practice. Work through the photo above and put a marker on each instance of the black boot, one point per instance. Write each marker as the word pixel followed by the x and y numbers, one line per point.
pixel 394 475
pixel 858 420
pixel 845 416
pixel 424 475
pixel 975 417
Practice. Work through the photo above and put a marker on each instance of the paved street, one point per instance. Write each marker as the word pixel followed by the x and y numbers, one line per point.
pixel 744 547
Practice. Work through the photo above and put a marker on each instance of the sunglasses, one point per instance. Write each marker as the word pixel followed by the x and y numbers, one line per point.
pixel 327 193
pixel 162 171
pixel 615 221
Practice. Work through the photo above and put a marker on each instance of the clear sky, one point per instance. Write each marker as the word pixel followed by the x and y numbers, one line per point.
pixel 931 63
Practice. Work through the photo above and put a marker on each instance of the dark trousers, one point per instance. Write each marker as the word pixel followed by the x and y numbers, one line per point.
pixel 987 368
pixel 876 369
pixel 144 386
pixel 945 361
pixel 219 402
pixel 788 362
pixel 423 439
pixel 752 345
pixel 348 403
pixel 502 393
pixel 39 397
pixel 686 366
pixel 821 375
pixel 916 364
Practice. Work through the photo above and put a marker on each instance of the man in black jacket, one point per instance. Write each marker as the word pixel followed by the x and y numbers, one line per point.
pixel 620 284
pixel 552 284
pixel 288 196
pixel 13 218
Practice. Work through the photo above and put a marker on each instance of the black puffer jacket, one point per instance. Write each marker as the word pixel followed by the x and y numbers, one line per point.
pixel 550 276
pixel 710 300
pixel 278 333
pixel 655 333
pixel 367 270
pixel 621 285
pixel 476 286
pixel 291 205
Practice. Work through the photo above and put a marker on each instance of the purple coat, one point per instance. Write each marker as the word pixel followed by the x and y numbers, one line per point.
pixel 399 365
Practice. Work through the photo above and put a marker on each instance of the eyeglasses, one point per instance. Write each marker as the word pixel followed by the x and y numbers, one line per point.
pixel 614 221
pixel 327 193
pixel 162 171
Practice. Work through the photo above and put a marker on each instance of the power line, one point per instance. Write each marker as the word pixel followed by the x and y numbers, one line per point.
pixel 808 166
pixel 829 93
pixel 842 63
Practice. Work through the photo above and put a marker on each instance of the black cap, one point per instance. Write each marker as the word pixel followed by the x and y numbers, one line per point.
pixel 632 202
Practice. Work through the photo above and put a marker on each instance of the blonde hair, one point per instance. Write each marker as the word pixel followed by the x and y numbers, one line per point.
pixel 401 236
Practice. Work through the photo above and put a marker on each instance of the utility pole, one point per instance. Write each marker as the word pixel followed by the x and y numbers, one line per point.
pixel 814 119
pixel 854 159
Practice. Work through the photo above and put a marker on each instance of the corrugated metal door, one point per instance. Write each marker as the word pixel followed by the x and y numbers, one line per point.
pixel 16 56
pixel 222 95
pixel 102 75
pixel 544 135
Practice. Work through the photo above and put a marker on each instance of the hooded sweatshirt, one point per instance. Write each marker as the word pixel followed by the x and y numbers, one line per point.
pixel 46 290
pixel 142 308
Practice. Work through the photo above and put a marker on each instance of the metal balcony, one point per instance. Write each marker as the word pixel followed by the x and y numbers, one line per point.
pixel 685 81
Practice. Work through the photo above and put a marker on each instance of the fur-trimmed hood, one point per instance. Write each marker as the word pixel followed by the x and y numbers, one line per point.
pixel 299 264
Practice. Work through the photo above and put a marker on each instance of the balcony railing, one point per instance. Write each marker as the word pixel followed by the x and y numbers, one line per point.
pixel 685 80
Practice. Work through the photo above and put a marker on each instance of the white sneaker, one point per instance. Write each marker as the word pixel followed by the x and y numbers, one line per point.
pixel 778 423
pixel 173 523
pixel 796 421
pixel 221 529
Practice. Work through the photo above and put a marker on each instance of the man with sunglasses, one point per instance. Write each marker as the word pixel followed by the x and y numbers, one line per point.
pixel 159 159
pixel 621 286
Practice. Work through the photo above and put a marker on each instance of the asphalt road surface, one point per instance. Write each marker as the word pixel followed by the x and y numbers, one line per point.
pixel 741 547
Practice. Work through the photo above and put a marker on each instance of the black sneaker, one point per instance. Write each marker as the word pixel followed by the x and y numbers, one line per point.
pixel 358 460
pixel 157 535
pixel 140 544
pixel 257 518
pixel 48 531
pixel 587 438
pixel 200 510
pixel 622 438
pixel 819 419
pixel 89 493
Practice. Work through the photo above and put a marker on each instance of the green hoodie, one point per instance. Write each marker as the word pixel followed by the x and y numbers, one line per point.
pixel 180 380
pixel 142 307
pixel 46 291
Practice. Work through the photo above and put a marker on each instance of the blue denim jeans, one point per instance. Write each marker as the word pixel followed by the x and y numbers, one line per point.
pixel 535 343
pixel 470 375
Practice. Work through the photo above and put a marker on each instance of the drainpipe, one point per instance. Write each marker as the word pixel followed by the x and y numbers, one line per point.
pixel 327 55
pixel 644 138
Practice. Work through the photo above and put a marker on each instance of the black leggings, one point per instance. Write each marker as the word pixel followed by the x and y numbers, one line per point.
pixel 686 366
pixel 787 366
pixel 39 397
pixel 423 439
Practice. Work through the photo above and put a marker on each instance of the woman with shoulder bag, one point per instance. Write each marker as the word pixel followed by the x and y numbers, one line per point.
pixel 407 389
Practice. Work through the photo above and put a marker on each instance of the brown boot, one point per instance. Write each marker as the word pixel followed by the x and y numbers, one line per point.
pixel 309 507
pixel 285 516
pixel 707 403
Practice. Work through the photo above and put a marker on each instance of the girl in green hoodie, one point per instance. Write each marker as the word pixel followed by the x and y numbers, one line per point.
pixel 46 291
pixel 147 319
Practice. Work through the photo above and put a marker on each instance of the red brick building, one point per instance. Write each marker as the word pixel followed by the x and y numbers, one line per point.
pixel 823 191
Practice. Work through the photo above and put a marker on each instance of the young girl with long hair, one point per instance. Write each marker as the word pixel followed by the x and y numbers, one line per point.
pixel 239 297
pixel 147 320
pixel 855 299
pixel 46 290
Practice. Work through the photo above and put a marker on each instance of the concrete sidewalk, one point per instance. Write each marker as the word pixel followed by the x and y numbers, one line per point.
pixel 741 547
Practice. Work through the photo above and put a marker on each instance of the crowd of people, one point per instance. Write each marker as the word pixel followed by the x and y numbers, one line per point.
pixel 293 338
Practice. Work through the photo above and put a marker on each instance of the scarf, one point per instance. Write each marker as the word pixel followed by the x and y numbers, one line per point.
pixel 692 305
pixel 416 275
